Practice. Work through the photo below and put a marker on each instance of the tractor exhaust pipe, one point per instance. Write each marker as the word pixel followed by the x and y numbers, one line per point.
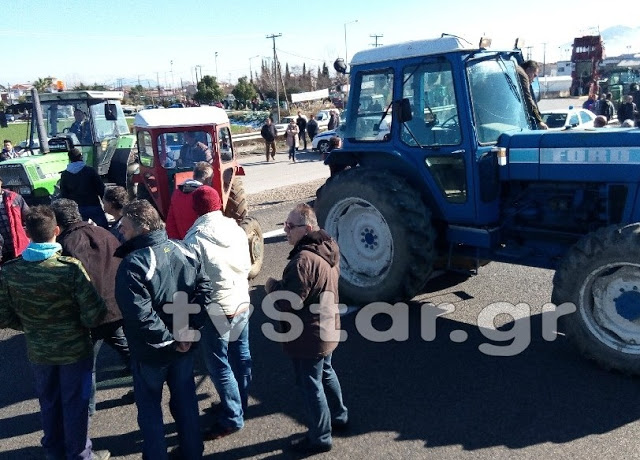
pixel 39 122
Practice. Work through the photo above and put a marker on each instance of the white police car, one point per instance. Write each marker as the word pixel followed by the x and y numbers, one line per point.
pixel 321 141
pixel 571 118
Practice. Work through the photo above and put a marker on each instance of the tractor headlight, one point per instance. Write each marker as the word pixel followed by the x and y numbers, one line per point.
pixel 24 190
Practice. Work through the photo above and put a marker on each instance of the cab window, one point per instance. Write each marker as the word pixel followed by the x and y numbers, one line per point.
pixel 145 149
pixel 225 146
pixel 371 118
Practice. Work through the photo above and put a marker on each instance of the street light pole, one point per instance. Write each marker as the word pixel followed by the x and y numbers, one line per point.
pixel 346 53
pixel 216 56
pixel 250 71
pixel 172 81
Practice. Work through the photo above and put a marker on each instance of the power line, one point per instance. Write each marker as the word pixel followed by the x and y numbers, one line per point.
pixel 375 37
pixel 301 57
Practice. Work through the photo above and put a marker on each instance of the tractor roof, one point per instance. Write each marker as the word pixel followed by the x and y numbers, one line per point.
pixel 73 95
pixel 415 48
pixel 178 117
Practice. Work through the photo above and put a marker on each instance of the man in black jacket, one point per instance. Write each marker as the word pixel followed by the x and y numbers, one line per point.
pixel 82 184
pixel 158 283
pixel 95 247
pixel 269 134
pixel 301 121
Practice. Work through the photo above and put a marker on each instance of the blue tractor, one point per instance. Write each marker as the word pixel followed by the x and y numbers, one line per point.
pixel 461 172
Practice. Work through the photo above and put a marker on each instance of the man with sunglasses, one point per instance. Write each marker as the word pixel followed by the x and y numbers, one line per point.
pixel 312 275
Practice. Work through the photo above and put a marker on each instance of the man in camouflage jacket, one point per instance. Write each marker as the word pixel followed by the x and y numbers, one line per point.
pixel 51 299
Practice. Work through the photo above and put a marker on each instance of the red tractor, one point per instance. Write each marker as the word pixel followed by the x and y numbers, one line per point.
pixel 161 135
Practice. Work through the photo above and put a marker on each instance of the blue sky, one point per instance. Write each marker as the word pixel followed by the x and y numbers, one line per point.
pixel 102 41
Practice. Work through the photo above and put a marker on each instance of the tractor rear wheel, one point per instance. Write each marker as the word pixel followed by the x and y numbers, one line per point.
pixel 384 232
pixel 237 207
pixel 256 244
pixel 600 275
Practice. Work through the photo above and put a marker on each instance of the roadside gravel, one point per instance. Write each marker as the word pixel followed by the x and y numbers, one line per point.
pixel 290 194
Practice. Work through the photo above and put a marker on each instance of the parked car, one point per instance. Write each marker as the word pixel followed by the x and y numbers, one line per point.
pixel 321 141
pixel 284 122
pixel 570 118
pixel 10 117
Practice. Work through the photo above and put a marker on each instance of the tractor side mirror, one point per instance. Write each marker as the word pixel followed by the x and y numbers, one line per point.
pixel 340 66
pixel 402 109
pixel 110 112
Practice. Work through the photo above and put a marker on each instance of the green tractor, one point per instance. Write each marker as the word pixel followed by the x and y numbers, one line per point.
pixel 92 121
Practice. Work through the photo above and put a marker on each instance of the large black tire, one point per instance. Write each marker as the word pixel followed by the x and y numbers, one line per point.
pixel 384 232
pixel 237 207
pixel 600 275
pixel 121 168
pixel 256 244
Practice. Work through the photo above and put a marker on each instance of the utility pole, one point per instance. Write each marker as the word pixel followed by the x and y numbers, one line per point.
pixel 172 82
pixel 158 82
pixel 275 70
pixel 529 52
pixel 375 37
pixel 216 56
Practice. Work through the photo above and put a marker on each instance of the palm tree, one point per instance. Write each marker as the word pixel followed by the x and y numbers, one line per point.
pixel 42 84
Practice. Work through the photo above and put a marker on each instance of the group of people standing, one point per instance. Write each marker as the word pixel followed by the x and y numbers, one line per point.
pixel 295 134
pixel 73 285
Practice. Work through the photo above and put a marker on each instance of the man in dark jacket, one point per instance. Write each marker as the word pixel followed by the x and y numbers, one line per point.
pixel 312 275
pixel 627 110
pixel 82 184
pixel 95 247
pixel 526 74
pixel 114 199
pixel 193 150
pixel 158 283
pixel 301 121
pixel 269 134
pixel 312 127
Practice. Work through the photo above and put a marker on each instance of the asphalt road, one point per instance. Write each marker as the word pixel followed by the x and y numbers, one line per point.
pixel 434 397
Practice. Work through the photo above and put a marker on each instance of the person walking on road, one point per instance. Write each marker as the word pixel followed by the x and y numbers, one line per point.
pixel 293 141
pixel 312 275
pixel 301 121
pixel 269 134
pixel 50 298
pixel 223 248
pixel 158 278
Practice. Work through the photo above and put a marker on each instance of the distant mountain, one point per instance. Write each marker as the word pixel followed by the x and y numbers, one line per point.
pixel 621 40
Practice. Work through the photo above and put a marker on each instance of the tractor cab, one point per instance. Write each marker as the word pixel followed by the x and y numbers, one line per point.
pixel 171 142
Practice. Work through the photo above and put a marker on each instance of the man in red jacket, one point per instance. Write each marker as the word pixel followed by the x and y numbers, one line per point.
pixel 181 215
pixel 12 211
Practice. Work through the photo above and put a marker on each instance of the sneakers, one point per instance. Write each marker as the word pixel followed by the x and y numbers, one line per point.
pixel 100 455
pixel 218 431
pixel 304 446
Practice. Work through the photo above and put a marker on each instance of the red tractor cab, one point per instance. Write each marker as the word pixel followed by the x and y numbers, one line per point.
pixel 170 142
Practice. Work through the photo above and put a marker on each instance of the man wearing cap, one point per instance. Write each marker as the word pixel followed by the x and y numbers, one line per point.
pixel 224 250
pixel 181 214
pixel 12 211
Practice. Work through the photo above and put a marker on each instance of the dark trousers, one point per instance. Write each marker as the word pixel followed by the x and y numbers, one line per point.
pixel 95 213
pixel 63 392
pixel 270 145
pixel 147 385
pixel 302 138
pixel 113 335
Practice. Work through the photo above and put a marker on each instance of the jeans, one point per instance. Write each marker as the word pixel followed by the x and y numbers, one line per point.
pixel 292 153
pixel 113 334
pixel 322 397
pixel 228 360
pixel 63 393
pixel 95 213
pixel 147 385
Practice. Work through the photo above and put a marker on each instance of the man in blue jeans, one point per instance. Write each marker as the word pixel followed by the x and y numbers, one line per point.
pixel 158 283
pixel 312 275
pixel 224 250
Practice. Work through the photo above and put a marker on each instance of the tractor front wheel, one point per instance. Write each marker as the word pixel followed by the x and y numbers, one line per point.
pixel 600 275
pixel 256 244
pixel 384 232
